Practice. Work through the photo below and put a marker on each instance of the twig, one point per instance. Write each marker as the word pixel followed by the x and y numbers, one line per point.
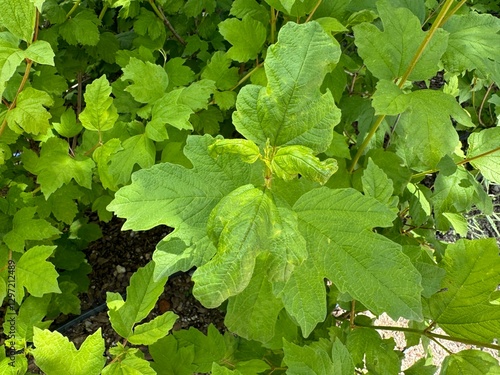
pixel 167 23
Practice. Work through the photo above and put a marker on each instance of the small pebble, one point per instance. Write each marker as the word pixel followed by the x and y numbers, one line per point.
pixel 120 269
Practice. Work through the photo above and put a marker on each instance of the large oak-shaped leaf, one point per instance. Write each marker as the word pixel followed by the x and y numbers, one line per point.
pixel 388 53
pixel 337 225
pixel 463 307
pixel 182 198
pixel 291 109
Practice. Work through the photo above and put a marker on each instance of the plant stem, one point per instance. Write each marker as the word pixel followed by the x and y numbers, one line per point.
pixel 461 162
pixel 405 76
pixel 72 10
pixel 247 76
pixel 273 24
pixel 103 12
pixel 313 11
pixel 167 23
pixel 432 335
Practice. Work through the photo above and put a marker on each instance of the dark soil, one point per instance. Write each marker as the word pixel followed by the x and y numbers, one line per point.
pixel 114 258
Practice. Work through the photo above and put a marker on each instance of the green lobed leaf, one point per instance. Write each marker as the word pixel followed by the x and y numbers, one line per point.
pixel 178 74
pixel 183 198
pixel 218 70
pixel 142 294
pixel 138 149
pixel 81 29
pixel 473 362
pixel 291 110
pixel 472 42
pixel 25 228
pixel 454 193
pixel 368 349
pixel 130 365
pixel 55 167
pixel 252 314
pixel 68 127
pixel 241 8
pixel 19 18
pixel 150 332
pixel 372 269
pixel 31 314
pixel 463 307
pixel 376 184
pixel 422 146
pixel 55 354
pixel 221 370
pixel 35 273
pixel 485 147
pixel 247 37
pixel 30 113
pixel 171 358
pixel 290 161
pixel 150 81
pixel 306 360
pixel 99 114
pixel 388 53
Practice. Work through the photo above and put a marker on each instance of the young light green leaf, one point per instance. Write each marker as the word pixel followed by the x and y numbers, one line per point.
pixel 289 161
pixel 30 113
pixel 470 362
pixel 35 273
pixel 99 114
pixel 150 81
pixel 19 18
pixel 40 52
pixel 142 294
pixel 376 184
pixel 150 332
pixel 31 314
pixel 337 227
pixel 168 110
pixel 68 127
pixel 25 228
pixel 247 37
pixel 55 354
pixel 130 365
pixel 484 152
pixel 472 42
pixel 221 370
pixel 55 167
pixel 388 53
pixel 240 226
pixel 463 308
pixel 291 109
pixel 247 150
pixel 10 58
